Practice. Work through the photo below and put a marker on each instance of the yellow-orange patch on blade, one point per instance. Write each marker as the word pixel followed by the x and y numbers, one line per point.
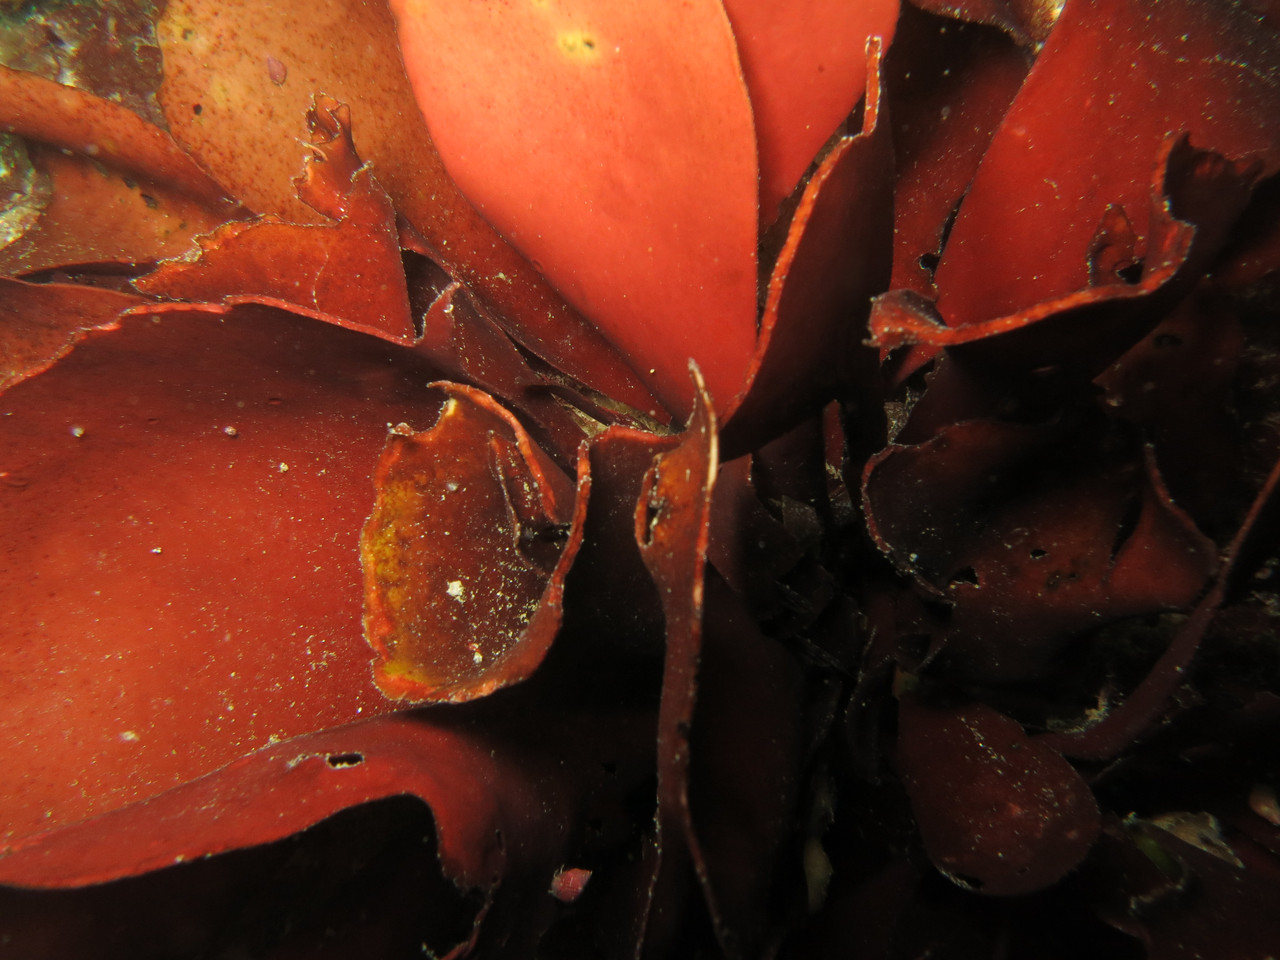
pixel 465 554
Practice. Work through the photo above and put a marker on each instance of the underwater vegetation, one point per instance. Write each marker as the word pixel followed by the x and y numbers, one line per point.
pixel 599 479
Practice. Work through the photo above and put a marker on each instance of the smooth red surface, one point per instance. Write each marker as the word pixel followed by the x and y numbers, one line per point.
pixel 805 74
pixel 177 595
pixel 612 144
pixel 511 787
pixel 272 794
pixel 1115 80
pixel 997 811
pixel 950 85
